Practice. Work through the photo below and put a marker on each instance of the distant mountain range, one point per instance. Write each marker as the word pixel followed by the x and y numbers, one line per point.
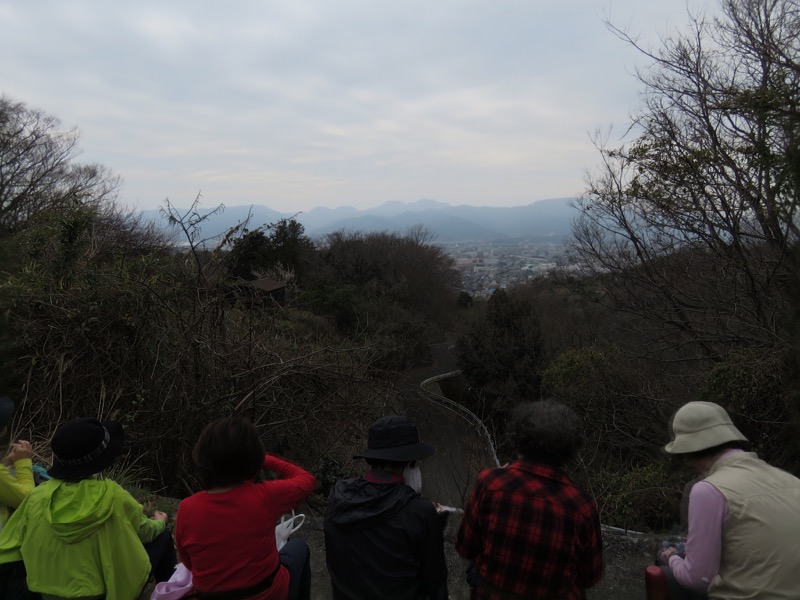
pixel 543 220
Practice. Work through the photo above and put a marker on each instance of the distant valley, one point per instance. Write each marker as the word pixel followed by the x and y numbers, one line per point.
pixel 545 220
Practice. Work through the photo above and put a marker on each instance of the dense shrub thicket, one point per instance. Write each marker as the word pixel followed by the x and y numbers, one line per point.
pixel 105 316
pixel 688 237
pixel 96 327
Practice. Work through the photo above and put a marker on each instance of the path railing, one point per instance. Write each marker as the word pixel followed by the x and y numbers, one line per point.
pixel 476 422
pixel 459 410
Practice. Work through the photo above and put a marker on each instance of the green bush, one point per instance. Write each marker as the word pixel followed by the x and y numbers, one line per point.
pixel 753 385
pixel 643 498
pixel 151 338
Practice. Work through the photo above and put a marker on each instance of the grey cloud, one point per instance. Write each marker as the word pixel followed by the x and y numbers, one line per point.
pixel 357 100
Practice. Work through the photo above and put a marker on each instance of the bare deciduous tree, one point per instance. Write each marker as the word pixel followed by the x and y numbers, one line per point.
pixel 690 225
pixel 37 168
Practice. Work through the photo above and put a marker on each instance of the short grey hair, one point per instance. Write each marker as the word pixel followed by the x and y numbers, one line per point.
pixel 546 431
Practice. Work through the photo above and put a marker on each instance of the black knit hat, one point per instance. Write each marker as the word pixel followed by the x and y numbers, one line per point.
pixel 395 439
pixel 84 447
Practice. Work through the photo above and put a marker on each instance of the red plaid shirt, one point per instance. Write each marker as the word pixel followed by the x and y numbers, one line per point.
pixel 532 533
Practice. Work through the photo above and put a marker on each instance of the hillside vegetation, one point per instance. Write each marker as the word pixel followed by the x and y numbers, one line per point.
pixel 688 237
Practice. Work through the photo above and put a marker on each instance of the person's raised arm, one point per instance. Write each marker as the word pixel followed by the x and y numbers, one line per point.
pixel 294 484
pixel 14 488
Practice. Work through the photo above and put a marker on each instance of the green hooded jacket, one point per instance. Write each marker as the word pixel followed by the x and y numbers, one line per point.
pixel 81 539
pixel 14 486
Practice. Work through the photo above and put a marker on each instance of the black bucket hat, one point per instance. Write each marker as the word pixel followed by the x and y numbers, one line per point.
pixel 395 439
pixel 84 447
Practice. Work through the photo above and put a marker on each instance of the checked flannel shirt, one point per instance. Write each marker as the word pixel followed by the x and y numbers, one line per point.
pixel 532 533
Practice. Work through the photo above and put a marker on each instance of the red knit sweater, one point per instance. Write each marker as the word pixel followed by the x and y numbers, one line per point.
pixel 227 539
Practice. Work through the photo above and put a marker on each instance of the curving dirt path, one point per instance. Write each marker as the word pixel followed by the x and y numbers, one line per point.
pixel 448 477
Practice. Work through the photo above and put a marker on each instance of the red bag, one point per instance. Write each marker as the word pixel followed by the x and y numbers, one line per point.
pixel 655 583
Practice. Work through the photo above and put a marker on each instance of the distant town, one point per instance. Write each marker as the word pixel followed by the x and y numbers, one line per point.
pixel 486 267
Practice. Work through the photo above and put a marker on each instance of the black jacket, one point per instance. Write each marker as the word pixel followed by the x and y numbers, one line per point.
pixel 383 541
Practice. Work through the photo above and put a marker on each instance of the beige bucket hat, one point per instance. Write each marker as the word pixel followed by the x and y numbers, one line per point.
pixel 700 425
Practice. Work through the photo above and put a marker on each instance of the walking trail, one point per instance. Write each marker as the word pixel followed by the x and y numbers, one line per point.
pixel 447 479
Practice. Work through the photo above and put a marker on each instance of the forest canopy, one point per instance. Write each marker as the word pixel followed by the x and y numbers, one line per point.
pixel 686 288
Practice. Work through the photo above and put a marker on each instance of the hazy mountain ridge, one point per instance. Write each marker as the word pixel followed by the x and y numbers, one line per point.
pixel 542 219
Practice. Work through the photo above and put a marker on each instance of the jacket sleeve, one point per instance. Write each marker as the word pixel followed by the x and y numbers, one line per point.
pixel 590 561
pixel 469 543
pixel 150 529
pixel 12 535
pixel 708 511
pixel 433 563
pixel 13 489
pixel 295 483
pixel 147 529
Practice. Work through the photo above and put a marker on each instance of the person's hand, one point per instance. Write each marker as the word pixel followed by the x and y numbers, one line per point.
pixel 670 551
pixel 160 516
pixel 19 450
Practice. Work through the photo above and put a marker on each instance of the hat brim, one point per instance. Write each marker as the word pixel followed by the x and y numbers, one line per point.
pixel 687 443
pixel 406 453
pixel 106 459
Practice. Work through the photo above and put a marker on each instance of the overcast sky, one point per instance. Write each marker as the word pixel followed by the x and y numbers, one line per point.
pixel 301 103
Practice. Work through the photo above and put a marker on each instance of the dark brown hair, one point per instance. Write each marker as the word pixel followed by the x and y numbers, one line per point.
pixel 546 431
pixel 228 452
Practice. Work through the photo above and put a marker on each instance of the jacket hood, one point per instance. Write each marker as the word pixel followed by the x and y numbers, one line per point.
pixel 76 510
pixel 361 504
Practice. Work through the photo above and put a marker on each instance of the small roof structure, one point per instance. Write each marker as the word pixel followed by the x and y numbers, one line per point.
pixel 268 285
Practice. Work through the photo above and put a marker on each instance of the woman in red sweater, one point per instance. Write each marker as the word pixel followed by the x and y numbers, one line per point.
pixel 226 534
